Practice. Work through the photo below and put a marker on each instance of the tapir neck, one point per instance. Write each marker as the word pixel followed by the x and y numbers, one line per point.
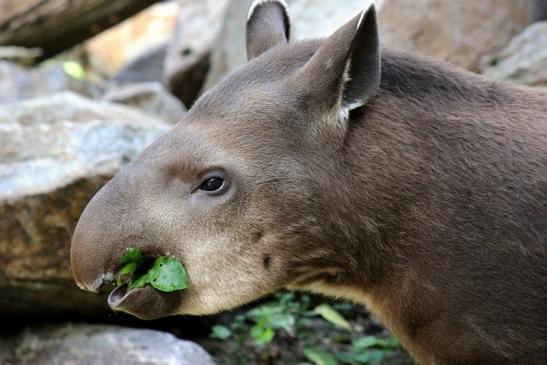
pixel 404 161
pixel 426 164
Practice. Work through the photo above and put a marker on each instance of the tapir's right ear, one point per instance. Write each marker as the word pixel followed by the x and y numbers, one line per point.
pixel 344 72
pixel 267 25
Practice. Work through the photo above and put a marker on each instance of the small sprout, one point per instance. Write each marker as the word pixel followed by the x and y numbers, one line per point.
pixel 330 314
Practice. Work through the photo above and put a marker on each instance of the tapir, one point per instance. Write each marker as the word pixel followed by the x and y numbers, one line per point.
pixel 340 167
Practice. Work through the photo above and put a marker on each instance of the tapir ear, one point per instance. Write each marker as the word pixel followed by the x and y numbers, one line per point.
pixel 267 25
pixel 345 70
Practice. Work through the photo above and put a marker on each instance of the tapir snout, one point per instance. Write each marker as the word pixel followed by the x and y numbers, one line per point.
pixel 106 228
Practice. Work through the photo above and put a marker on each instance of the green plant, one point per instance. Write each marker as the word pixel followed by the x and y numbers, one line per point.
pixel 368 350
pixel 292 317
pixel 220 332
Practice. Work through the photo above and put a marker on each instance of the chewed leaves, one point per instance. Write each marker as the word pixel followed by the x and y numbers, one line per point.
pixel 126 272
pixel 132 255
pixel 166 274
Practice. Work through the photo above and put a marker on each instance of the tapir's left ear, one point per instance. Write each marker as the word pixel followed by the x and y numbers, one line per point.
pixel 267 26
pixel 345 70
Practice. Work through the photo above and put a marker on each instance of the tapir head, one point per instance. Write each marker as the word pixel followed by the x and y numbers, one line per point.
pixel 249 188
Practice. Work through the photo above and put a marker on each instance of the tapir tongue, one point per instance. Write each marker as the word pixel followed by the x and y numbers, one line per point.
pixel 144 303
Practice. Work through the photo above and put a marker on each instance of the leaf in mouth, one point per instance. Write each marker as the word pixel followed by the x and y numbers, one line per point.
pixel 132 255
pixel 166 274
pixel 126 272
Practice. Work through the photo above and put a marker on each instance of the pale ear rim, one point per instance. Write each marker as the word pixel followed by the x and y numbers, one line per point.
pixel 257 3
pixel 364 13
pixel 356 102
pixel 267 26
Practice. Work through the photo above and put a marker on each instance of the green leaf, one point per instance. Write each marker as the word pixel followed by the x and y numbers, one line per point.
pixel 372 341
pixel 125 272
pixel 365 342
pixel 132 254
pixel 319 357
pixel 331 315
pixel 350 357
pixel 139 282
pixel 220 332
pixel 375 356
pixel 168 275
pixel 262 335
pixel 370 356
pixel 285 321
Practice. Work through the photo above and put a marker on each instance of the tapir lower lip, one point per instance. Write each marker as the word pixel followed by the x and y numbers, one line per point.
pixel 144 303
pixel 116 296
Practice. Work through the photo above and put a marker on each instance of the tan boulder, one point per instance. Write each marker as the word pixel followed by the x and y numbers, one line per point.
pixel 457 31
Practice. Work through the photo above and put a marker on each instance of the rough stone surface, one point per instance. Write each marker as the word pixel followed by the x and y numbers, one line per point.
pixel 151 98
pixel 458 31
pixel 524 60
pixel 147 67
pixel 20 55
pixel 115 48
pixel 18 83
pixel 55 153
pixel 187 59
pixel 99 345
pixel 537 10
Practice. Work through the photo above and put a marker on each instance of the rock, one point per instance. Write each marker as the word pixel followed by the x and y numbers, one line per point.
pixel 20 55
pixel 99 345
pixel 537 10
pixel 55 153
pixel 457 31
pixel 149 97
pixel 18 83
pixel 113 49
pixel 309 19
pixel 187 59
pixel 524 60
pixel 147 67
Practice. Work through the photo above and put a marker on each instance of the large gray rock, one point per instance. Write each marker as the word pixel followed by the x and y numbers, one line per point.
pixel 524 60
pixel 537 10
pixel 146 67
pixel 187 59
pixel 150 97
pixel 99 345
pixel 55 153
pixel 18 83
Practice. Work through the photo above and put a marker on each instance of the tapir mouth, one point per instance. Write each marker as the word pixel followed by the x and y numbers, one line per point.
pixel 144 303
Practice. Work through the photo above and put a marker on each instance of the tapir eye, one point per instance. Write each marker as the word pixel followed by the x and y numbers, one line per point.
pixel 211 184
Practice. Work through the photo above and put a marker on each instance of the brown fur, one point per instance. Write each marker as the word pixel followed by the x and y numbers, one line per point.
pixel 428 204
